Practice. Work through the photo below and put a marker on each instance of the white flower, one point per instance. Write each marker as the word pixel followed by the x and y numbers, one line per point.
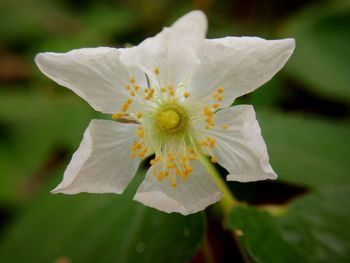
pixel 169 88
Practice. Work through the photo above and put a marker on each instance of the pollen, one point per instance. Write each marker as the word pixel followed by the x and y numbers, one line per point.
pixel 140 132
pixel 117 116
pixel 156 71
pixel 132 80
pixel 149 93
pixel 186 94
pixel 220 89
pixel 127 86
pixel 171 91
pixel 225 127
pixel 126 105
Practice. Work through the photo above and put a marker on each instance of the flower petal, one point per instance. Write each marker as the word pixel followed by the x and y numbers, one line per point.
pixel 102 164
pixel 95 74
pixel 238 64
pixel 190 196
pixel 240 148
pixel 172 52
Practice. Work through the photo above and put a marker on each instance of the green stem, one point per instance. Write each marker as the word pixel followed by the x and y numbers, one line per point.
pixel 228 200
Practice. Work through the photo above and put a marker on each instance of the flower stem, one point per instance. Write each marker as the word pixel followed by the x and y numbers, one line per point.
pixel 227 201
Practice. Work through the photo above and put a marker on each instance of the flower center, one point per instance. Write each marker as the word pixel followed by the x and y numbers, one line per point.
pixel 171 118
pixel 168 119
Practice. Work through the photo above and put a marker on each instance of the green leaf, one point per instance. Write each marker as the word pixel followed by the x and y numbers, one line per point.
pixel 35 125
pixel 321 59
pixel 307 151
pixel 313 229
pixel 100 228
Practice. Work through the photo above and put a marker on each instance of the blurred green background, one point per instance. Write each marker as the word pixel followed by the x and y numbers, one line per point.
pixel 304 114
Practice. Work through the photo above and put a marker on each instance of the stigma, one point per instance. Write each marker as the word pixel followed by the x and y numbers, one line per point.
pixel 168 119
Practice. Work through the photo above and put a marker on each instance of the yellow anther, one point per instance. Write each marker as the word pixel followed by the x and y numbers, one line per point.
pixel 132 93
pixel 136 146
pixel 124 107
pixel 225 126
pixel 139 115
pixel 208 120
pixel 132 155
pixel 173 183
pixel 207 127
pixel 215 106
pixel 140 132
pixel 190 149
pixel 186 94
pixel 117 116
pixel 212 143
pixel 218 98
pixel 161 175
pixel 213 159
pixel 156 71
pixel 163 89
pixel 208 112
pixel 171 91
pixel 171 165
pixel 220 89
pixel 150 93
pixel 171 157
pixel 204 143
pixel 153 162
pixel 141 154
pixel 188 168
pixel 132 80
pixel 127 86
pixel 168 119
pixel 136 87
pixel 192 157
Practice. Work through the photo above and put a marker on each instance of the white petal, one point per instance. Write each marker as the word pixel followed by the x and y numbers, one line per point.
pixel 173 51
pixel 240 149
pixel 102 164
pixel 95 74
pixel 238 64
pixel 190 196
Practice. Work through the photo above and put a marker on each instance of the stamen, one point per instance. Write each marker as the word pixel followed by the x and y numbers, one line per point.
pixel 139 115
pixel 156 71
pixel 140 132
pixel 127 86
pixel 220 89
pixel 117 116
pixel 171 90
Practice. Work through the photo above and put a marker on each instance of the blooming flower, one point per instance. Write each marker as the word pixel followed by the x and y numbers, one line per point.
pixel 170 96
